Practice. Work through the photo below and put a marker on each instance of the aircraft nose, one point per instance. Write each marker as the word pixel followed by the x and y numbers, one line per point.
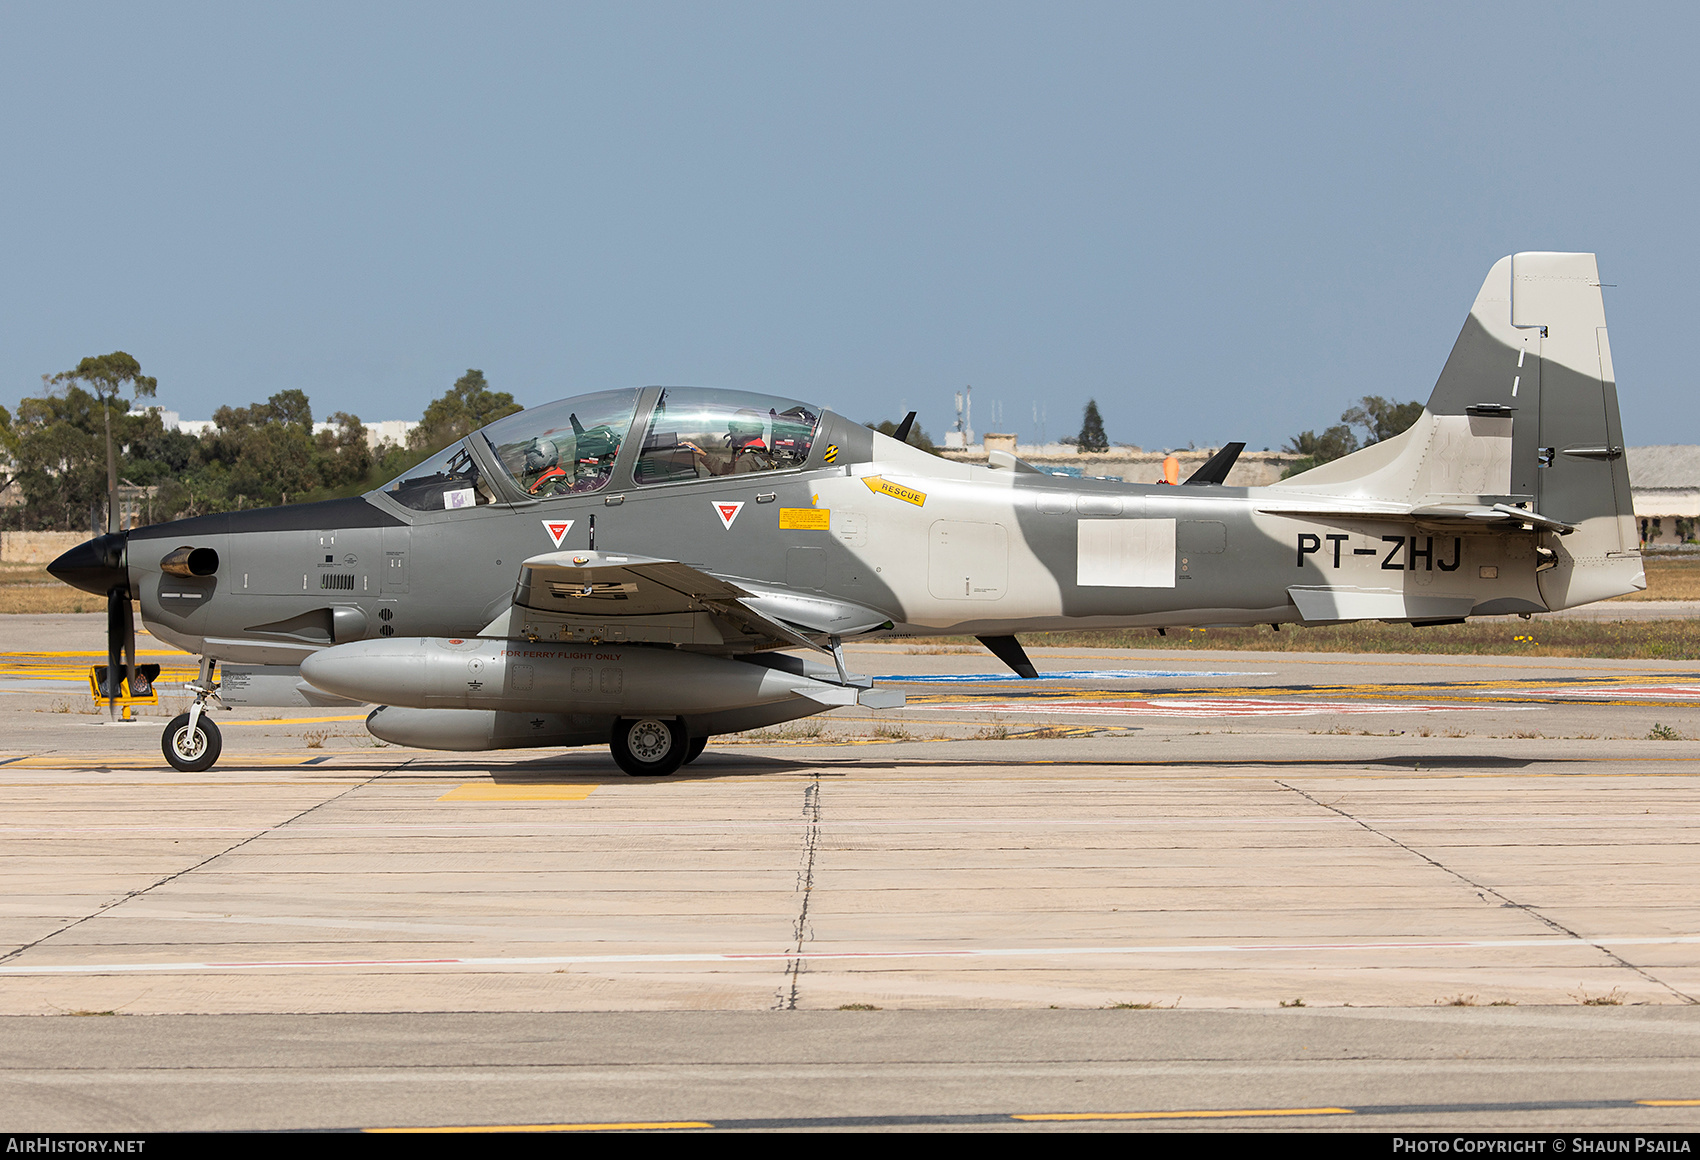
pixel 98 565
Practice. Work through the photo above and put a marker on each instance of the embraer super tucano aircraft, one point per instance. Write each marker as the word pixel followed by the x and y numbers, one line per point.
pixel 627 568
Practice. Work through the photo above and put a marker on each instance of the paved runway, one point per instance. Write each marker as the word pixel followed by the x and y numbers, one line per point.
pixel 1154 853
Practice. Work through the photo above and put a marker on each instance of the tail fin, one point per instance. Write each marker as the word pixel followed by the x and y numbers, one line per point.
pixel 1524 414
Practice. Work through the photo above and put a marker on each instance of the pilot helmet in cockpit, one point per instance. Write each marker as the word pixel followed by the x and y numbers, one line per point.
pixel 540 456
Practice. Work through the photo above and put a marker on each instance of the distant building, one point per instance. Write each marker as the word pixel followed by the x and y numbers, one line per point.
pixel 1664 482
pixel 383 431
pixel 1132 464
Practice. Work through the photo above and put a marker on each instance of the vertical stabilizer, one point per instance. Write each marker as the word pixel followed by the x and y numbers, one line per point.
pixel 1524 413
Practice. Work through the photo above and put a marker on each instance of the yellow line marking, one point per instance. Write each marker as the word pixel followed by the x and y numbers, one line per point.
pixel 1194 1115
pixel 1669 1103
pixel 97 761
pixel 139 652
pixel 484 791
pixel 636 1126
pixel 295 720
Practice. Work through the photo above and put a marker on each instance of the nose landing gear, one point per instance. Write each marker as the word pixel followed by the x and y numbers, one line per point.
pixel 192 742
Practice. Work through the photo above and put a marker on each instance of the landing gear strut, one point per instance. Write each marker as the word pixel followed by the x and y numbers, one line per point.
pixel 192 742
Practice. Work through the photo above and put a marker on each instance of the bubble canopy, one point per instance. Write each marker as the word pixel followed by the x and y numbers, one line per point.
pixel 571 446
pixel 564 448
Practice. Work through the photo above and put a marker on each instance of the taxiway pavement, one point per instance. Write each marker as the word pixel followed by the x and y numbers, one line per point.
pixel 1496 855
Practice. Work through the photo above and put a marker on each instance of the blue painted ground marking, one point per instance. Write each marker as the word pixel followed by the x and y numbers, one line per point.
pixel 1071 675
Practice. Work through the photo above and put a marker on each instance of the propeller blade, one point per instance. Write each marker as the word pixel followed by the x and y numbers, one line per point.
pixel 129 644
pixel 117 604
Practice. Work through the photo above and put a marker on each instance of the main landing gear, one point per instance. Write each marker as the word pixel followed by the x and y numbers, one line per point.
pixel 651 747
pixel 192 742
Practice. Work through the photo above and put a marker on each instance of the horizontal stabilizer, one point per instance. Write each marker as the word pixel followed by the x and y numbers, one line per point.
pixel 1467 514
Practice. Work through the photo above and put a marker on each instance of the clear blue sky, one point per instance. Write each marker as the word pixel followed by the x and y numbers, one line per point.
pixel 1220 221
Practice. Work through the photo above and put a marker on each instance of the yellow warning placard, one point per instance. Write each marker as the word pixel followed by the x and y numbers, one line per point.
pixel 895 490
pixel 806 519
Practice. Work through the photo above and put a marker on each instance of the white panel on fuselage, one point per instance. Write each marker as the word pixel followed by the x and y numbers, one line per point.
pixel 967 560
pixel 1126 554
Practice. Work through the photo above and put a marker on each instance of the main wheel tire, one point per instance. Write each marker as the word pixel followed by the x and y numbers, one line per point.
pixel 648 746
pixel 191 751
pixel 698 744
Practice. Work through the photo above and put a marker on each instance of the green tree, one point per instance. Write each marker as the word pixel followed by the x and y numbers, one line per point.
pixel 108 374
pixel 917 437
pixel 1092 437
pixel 465 407
pixel 1315 450
pixel 343 455
pixel 262 454
pixel 58 440
pixel 8 450
pixel 1381 418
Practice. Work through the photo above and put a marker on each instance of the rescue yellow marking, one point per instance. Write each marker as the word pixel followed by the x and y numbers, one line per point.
pixel 831 453
pixel 805 519
pixel 486 791
pixel 895 490
pixel 635 1126
pixel 1205 1114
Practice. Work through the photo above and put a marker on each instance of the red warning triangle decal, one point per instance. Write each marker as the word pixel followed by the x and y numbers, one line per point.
pixel 557 529
pixel 727 511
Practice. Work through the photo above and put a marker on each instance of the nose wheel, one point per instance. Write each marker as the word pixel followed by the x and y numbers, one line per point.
pixel 649 746
pixel 191 743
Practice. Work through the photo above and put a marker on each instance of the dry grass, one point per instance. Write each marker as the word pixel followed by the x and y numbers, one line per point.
pixel 1677 640
pixel 1670 578
pixel 796 732
pixel 27 588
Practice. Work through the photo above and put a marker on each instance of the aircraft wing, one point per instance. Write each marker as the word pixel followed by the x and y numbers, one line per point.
pixel 637 593
pixel 619 584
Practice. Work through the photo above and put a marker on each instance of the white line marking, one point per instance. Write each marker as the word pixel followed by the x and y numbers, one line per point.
pixel 824 956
